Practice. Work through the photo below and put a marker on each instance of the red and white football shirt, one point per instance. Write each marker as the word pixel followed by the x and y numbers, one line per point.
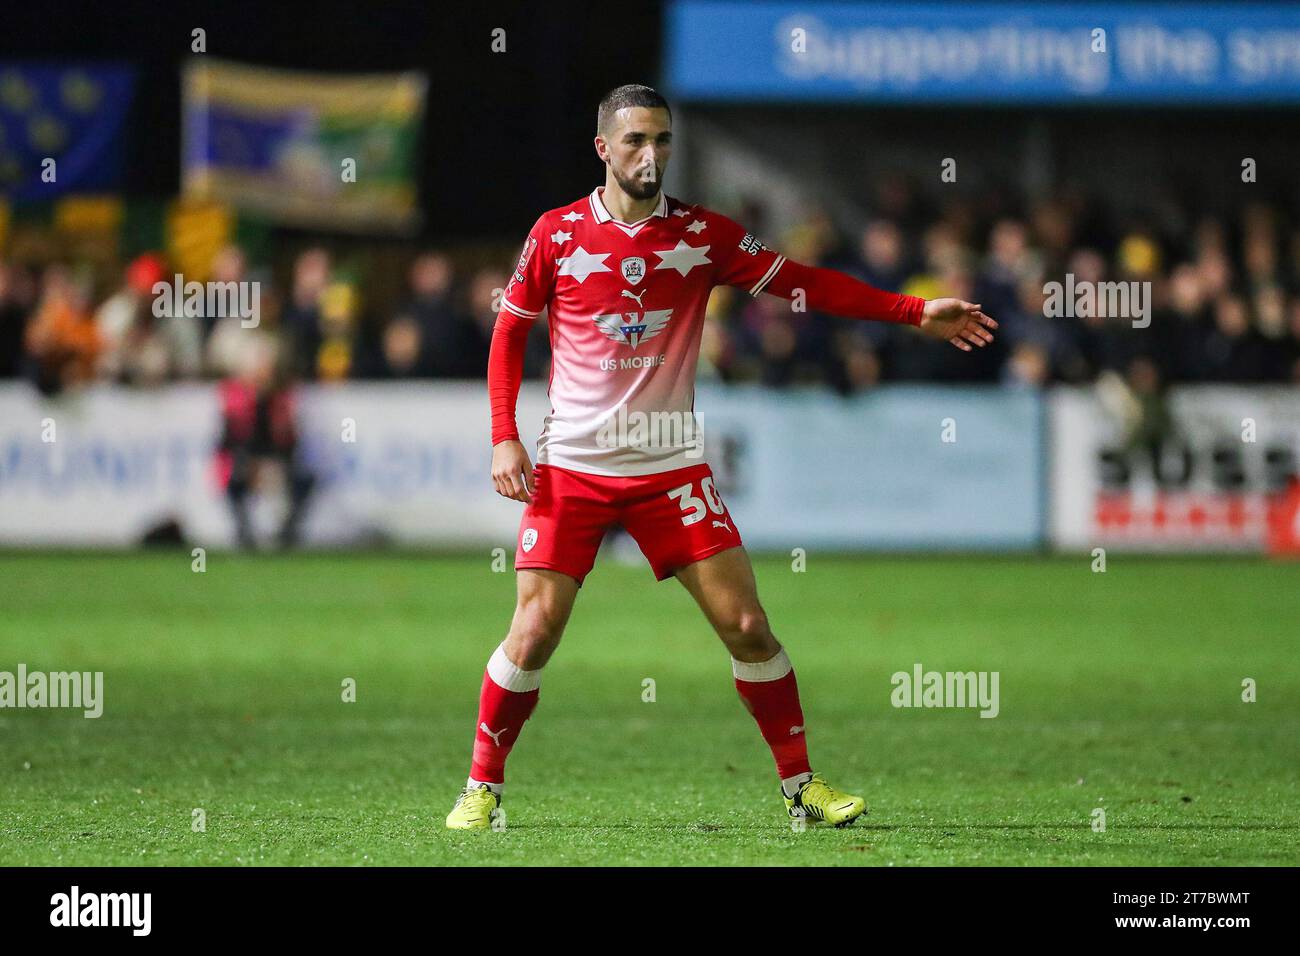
pixel 626 308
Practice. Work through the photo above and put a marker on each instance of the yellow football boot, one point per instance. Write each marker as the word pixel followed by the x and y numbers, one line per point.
pixel 475 809
pixel 819 802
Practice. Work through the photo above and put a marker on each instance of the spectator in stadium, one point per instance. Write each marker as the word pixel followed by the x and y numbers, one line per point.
pixel 228 265
pixel 139 347
pixel 717 351
pixel 910 357
pixel 15 303
pixel 858 366
pixel 770 328
pixel 302 317
pixel 403 352
pixel 430 318
pixel 1214 271
pixel 1009 263
pixel 258 449
pixel 882 256
pixel 1029 365
pixel 485 290
pixel 1091 344
pixel 340 324
pixel 880 261
pixel 1233 351
pixel 231 346
pixel 1053 223
pixel 1182 323
pixel 1269 307
pixel 61 338
pixel 115 317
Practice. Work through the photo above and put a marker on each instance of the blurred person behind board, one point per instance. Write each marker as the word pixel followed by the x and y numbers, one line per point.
pixel 259 442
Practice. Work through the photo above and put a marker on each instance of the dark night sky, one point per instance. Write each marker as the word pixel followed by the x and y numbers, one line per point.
pixel 507 135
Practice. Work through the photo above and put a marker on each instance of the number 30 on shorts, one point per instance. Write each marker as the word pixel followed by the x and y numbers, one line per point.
pixel 697 508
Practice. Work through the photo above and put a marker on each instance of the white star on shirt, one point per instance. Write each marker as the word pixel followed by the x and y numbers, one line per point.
pixel 572 216
pixel 580 263
pixel 680 212
pixel 561 236
pixel 697 226
pixel 682 257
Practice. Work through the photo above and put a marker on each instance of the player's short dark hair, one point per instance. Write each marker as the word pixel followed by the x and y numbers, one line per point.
pixel 620 98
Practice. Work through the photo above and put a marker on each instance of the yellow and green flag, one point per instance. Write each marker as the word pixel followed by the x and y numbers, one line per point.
pixel 308 149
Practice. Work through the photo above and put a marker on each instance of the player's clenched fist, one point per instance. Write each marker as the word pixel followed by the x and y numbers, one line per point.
pixel 512 472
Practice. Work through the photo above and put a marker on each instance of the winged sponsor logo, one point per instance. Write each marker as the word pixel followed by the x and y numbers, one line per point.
pixel 633 328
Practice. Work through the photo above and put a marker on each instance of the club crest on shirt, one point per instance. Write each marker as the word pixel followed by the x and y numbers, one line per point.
pixel 633 269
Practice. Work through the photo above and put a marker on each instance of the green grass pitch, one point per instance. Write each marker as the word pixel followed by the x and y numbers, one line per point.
pixel 222 692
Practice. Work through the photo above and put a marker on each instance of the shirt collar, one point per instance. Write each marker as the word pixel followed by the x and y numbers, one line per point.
pixel 602 214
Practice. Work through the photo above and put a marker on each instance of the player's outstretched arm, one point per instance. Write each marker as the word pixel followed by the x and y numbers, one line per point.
pixel 512 471
pixel 826 290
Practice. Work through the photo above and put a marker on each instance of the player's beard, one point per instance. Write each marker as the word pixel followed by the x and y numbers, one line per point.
pixel 639 188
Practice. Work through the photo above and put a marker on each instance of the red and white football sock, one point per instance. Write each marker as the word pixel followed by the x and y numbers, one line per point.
pixel 770 692
pixel 507 699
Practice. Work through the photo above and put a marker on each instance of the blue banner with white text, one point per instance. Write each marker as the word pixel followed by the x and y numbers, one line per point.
pixel 976 52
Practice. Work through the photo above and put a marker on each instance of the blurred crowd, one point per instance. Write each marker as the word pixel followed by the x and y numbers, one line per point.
pixel 1225 307
pixel 1224 302
pixel 56 332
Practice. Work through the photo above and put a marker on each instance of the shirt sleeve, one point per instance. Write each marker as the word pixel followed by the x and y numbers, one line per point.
pixel 529 289
pixel 743 261
pixel 746 263
pixel 526 295
pixel 506 372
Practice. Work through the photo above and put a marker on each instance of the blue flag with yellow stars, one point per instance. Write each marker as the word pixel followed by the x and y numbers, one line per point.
pixel 73 114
